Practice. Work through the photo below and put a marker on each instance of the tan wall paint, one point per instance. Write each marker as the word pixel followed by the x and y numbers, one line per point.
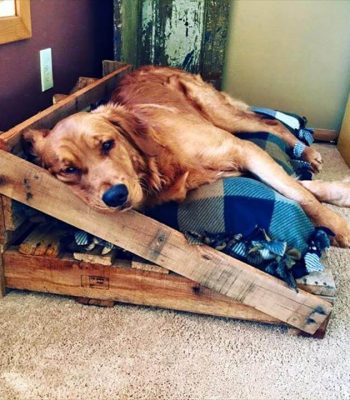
pixel 344 136
pixel 291 54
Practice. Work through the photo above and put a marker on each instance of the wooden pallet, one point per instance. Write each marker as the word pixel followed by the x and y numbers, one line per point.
pixel 133 281
pixel 215 283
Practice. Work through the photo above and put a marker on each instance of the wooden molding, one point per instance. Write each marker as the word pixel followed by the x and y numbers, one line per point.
pixel 18 27
pixel 325 135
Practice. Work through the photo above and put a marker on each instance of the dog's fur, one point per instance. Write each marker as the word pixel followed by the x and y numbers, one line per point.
pixel 168 132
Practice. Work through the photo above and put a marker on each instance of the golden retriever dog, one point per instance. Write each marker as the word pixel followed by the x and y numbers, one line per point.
pixel 166 132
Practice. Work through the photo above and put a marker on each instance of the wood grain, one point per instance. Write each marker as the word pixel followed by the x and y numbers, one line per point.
pixel 162 245
pixel 2 245
pixel 99 285
pixel 144 265
pixel 321 283
pixel 94 256
pixel 43 240
pixel 123 284
pixel 18 27
pixel 13 215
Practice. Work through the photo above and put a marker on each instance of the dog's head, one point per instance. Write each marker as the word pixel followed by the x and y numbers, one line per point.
pixel 101 155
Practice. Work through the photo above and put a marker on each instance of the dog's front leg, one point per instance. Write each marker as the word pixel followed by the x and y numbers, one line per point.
pixel 255 160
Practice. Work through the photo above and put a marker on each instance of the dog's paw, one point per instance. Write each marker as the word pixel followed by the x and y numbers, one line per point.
pixel 342 236
pixel 314 158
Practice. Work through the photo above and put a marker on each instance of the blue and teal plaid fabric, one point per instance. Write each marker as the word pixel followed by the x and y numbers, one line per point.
pixel 295 123
pixel 249 220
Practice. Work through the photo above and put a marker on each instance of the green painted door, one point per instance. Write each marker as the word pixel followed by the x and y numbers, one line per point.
pixel 189 34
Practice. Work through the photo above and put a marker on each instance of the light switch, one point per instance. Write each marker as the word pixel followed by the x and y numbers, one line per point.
pixel 46 69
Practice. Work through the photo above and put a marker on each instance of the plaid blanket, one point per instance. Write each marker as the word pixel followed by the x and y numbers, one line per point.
pixel 247 219
pixel 295 123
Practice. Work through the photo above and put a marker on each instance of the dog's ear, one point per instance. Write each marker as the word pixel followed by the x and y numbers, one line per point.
pixel 132 127
pixel 34 141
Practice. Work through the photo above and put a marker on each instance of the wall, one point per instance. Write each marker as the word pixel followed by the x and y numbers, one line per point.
pixel 344 136
pixel 80 33
pixel 291 55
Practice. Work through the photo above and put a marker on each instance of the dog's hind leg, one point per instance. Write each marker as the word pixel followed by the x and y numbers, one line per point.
pixel 337 193
pixel 234 116
pixel 251 158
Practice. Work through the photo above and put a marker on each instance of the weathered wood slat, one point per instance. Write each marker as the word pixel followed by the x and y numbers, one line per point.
pixel 95 257
pixel 325 135
pixel 43 240
pixel 102 286
pixel 73 103
pixel 109 66
pixel 215 29
pixel 162 245
pixel 2 240
pixel 321 283
pixel 126 285
pixel 2 221
pixel 144 265
pixel 13 214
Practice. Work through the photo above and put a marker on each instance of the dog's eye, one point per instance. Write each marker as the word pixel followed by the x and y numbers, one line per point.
pixel 70 170
pixel 107 146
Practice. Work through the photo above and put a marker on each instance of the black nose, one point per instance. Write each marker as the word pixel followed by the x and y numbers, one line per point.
pixel 116 195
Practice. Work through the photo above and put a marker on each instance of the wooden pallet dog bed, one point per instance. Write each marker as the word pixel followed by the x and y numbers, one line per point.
pixel 201 279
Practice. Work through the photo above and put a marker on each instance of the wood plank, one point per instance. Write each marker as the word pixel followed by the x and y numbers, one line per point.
pixel 68 277
pixel 58 97
pixel 20 232
pixel 73 103
pixel 2 272
pixel 162 245
pixel 108 66
pixel 178 33
pixel 82 82
pixel 43 240
pixel 100 285
pixel 94 256
pixel 215 30
pixel 2 222
pixel 130 20
pixel 14 214
pixel 2 241
pixel 325 135
pixel 144 265
pixel 319 334
pixel 95 302
pixel 321 283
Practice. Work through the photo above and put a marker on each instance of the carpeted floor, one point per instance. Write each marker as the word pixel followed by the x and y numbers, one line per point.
pixel 53 348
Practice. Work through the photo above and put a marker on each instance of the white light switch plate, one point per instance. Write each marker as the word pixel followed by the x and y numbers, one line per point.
pixel 46 69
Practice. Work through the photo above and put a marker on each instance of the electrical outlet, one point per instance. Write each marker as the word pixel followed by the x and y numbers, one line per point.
pixel 46 69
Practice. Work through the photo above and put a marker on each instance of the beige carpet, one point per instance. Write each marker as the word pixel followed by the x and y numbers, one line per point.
pixel 53 348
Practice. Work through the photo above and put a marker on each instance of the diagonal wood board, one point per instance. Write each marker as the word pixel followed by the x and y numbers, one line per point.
pixel 143 236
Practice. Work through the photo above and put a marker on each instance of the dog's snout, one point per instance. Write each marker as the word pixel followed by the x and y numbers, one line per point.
pixel 116 195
